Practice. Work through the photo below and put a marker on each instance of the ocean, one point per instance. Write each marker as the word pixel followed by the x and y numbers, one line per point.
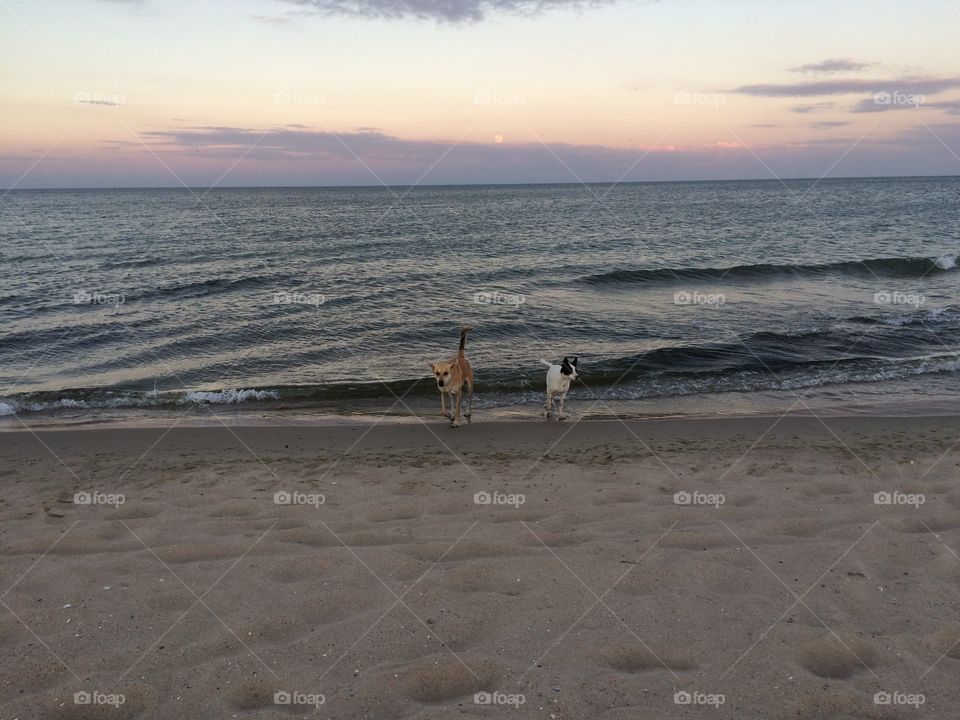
pixel 834 296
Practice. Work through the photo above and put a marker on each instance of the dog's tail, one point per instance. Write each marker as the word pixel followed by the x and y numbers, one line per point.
pixel 544 362
pixel 463 338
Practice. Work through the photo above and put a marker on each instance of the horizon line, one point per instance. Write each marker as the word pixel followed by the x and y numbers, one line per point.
pixel 182 186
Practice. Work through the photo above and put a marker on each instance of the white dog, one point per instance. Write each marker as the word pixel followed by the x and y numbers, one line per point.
pixel 558 384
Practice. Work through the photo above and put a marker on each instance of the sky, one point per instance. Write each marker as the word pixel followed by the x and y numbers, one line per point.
pixel 202 93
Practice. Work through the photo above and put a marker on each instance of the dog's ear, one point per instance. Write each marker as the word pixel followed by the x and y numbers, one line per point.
pixel 574 363
pixel 565 361
pixel 433 367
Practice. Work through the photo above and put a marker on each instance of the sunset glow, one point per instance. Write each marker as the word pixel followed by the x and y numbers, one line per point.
pixel 281 92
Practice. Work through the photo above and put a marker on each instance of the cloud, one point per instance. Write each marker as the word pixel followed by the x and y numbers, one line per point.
pixel 108 103
pixel 366 156
pixel 951 106
pixel 828 124
pixel 833 65
pixel 286 156
pixel 905 102
pixel 288 142
pixel 813 107
pixel 289 155
pixel 849 86
pixel 451 11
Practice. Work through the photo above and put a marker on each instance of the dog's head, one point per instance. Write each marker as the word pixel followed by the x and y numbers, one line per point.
pixel 443 374
pixel 569 368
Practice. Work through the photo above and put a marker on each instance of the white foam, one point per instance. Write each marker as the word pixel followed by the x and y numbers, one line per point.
pixel 229 397
pixel 7 409
pixel 899 320
pixel 946 262
pixel 932 315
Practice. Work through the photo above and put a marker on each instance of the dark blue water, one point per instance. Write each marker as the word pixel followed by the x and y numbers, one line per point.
pixel 325 297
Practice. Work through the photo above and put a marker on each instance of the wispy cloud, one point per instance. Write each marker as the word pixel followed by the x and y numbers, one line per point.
pixel 452 11
pixel 828 124
pixel 850 86
pixel 833 65
pixel 108 103
pixel 871 105
pixel 951 106
pixel 813 107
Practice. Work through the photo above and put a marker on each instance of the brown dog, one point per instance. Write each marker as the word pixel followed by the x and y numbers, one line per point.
pixel 451 377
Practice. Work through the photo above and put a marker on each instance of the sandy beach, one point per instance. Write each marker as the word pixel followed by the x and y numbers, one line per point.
pixel 723 568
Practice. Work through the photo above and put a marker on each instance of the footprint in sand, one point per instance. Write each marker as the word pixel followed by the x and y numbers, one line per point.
pixel 444 678
pixel 255 693
pixel 828 657
pixel 636 659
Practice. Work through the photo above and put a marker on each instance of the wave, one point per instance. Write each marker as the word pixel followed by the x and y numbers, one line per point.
pixel 605 379
pixel 229 397
pixel 132 263
pixel 919 317
pixel 213 286
pixel 95 399
pixel 853 349
pixel 619 378
pixel 895 267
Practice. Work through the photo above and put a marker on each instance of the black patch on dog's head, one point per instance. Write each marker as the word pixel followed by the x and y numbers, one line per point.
pixel 566 368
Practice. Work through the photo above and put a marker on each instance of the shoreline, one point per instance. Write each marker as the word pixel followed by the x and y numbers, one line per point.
pixel 409 434
pixel 579 412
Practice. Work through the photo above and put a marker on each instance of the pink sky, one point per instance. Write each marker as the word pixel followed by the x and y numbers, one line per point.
pixel 329 92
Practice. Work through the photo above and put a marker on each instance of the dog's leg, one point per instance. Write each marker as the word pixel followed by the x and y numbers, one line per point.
pixel 469 414
pixel 443 405
pixel 560 415
pixel 548 406
pixel 456 415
